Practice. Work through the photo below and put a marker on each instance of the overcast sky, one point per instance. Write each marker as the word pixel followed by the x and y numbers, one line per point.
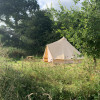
pixel 47 3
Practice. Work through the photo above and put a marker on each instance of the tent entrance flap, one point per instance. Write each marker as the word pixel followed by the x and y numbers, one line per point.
pixel 46 55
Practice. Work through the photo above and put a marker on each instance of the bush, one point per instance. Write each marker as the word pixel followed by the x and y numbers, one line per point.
pixel 16 53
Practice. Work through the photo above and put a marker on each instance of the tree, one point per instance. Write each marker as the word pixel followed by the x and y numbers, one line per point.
pixel 8 37
pixel 92 28
pixel 12 12
pixel 32 28
pixel 39 29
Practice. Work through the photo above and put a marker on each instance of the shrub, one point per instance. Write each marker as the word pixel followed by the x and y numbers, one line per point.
pixel 16 53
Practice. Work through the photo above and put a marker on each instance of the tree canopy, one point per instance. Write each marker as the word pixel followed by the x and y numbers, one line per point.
pixel 32 28
pixel 13 12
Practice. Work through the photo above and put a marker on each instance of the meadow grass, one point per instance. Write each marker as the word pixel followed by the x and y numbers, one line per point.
pixel 36 80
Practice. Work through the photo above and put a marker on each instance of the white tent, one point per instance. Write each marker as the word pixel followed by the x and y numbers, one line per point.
pixel 60 50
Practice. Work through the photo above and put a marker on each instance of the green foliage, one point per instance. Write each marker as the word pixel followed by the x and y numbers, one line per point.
pixel 32 35
pixel 39 29
pixel 12 53
pixel 92 31
pixel 30 28
pixel 16 53
pixel 8 37
pixel 41 81
pixel 12 12
pixel 76 1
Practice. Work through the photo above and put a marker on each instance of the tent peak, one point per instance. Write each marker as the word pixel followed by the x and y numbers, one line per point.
pixel 63 38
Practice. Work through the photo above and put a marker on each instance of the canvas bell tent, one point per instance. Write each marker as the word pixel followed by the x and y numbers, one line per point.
pixel 60 51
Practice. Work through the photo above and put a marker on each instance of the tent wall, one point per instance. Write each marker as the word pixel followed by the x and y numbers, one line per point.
pixel 50 59
pixel 62 49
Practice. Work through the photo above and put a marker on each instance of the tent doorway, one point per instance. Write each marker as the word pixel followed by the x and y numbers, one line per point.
pixel 46 55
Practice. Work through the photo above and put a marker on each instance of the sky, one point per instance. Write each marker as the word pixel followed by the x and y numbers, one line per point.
pixel 47 3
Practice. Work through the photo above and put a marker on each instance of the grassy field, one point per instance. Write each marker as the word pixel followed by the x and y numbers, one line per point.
pixel 36 80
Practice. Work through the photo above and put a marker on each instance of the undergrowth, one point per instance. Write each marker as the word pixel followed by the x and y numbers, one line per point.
pixel 36 80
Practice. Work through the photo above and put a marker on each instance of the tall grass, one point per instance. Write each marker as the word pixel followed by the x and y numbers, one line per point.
pixel 24 80
pixel 36 80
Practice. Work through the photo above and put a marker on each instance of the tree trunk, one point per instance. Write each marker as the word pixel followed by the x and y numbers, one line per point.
pixel 95 62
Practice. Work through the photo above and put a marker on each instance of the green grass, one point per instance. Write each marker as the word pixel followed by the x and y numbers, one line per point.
pixel 36 80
